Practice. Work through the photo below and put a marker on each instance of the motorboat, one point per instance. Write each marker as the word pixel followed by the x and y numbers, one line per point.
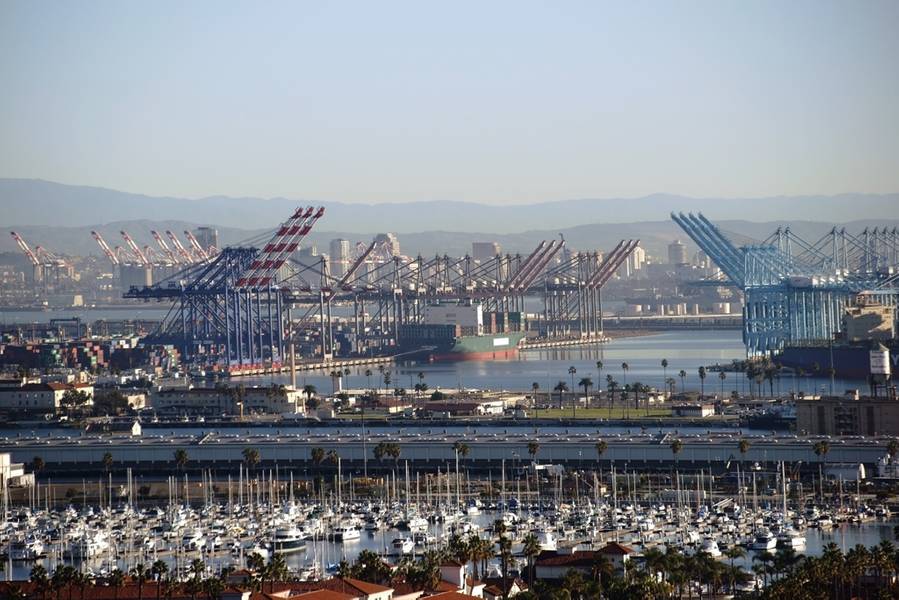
pixel 345 533
pixel 547 540
pixel 403 545
pixel 710 547
pixel 790 538
pixel 764 541
pixel 288 540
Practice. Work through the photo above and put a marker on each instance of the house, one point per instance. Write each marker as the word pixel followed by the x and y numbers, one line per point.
pixel 40 398
pixel 493 589
pixel 220 400
pixel 553 564
pixel 14 473
pixel 347 586
pixel 618 554
pixel 323 595
pixel 454 578
pixel 464 408
pixel 700 410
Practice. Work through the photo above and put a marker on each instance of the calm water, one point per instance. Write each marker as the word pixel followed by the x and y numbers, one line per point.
pixel 687 350
pixel 330 553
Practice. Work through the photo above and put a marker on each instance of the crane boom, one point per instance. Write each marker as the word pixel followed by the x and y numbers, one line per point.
pixel 164 247
pixel 135 249
pixel 196 245
pixel 185 255
pixel 25 249
pixel 106 249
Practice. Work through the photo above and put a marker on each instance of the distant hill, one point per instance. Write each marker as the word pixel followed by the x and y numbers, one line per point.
pixel 44 203
pixel 654 235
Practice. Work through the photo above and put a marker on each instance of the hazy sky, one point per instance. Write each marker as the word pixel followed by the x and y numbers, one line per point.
pixel 499 102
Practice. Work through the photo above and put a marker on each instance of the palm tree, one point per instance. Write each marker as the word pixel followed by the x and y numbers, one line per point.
pixel 40 580
pixel 181 458
pixel 702 375
pixel 743 446
pixel 461 449
pixel 250 457
pixel 332 457
pixel 585 383
pixel 317 455
pixel 535 386
pixel 82 580
pixel 533 449
pixel 722 376
pixel 676 447
pixel 624 368
pixel 561 387
pixel 116 580
pixel 893 448
pixel 139 573
pixel 107 461
pixel 571 372
pixel 530 548
pixel 734 552
pixel 599 367
pixel 601 447
pixel 159 568
pixel 664 369
pixel 821 449
pixel 37 465
pixel 602 570
pixel 310 391
pixel 683 375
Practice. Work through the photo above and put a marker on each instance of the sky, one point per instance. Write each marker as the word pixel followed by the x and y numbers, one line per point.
pixel 495 102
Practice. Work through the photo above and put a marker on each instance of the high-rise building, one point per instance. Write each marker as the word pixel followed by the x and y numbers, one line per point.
pixel 484 251
pixel 390 240
pixel 340 256
pixel 677 253
pixel 207 236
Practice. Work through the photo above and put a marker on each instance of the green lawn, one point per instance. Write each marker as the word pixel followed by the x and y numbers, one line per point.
pixel 601 413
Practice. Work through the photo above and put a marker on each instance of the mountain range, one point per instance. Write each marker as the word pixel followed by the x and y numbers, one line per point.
pixel 61 217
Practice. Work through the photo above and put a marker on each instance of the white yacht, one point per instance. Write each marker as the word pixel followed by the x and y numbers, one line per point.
pixel 764 541
pixel 30 549
pixel 193 539
pixel 710 547
pixel 288 540
pixel 403 545
pixel 547 540
pixel 346 533
pixel 791 538
pixel 89 546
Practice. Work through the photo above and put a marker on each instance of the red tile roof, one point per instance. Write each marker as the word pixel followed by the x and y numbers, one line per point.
pixel 578 558
pixel 323 595
pixel 616 548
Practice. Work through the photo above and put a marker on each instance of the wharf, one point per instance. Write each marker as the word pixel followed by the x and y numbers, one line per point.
pixel 433 448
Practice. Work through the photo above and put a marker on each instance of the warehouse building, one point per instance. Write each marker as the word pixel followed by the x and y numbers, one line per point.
pixel 848 415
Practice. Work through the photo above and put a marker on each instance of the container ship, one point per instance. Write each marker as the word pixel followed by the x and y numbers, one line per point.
pixel 451 332
pixel 866 326
pixel 851 360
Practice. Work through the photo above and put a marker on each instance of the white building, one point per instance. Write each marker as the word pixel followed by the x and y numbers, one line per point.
pixel 224 400
pixel 38 397
pixel 14 474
